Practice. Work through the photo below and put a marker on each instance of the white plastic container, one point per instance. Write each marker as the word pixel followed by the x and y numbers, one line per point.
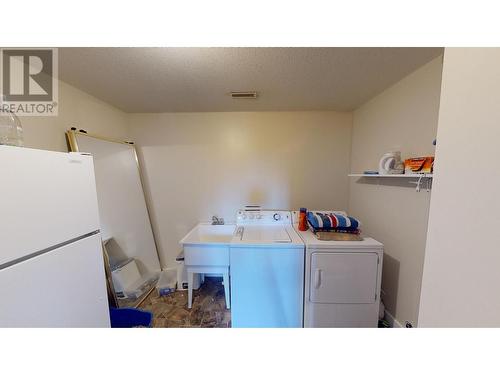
pixel 129 283
pixel 125 276
pixel 167 281
pixel 141 286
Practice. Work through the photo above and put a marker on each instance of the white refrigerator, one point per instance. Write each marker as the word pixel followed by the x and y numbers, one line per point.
pixel 51 264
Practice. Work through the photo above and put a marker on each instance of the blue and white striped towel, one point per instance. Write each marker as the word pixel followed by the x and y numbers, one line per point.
pixel 325 221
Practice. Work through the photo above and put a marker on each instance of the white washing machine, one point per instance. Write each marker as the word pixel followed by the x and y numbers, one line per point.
pixel 342 280
pixel 266 259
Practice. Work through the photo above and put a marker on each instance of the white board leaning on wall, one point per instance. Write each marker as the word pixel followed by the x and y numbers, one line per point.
pixel 122 206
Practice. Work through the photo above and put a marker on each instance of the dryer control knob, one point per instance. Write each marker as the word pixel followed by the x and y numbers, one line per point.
pixel 276 216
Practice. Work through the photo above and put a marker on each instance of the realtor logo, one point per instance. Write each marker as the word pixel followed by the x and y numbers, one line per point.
pixel 29 85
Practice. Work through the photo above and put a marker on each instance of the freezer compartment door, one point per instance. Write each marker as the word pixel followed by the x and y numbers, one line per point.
pixel 48 198
pixel 64 287
pixel 343 277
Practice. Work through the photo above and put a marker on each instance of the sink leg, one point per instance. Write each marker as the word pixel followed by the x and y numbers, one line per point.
pixel 190 289
pixel 225 277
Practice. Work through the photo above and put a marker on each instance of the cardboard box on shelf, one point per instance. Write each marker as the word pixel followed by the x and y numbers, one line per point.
pixel 419 165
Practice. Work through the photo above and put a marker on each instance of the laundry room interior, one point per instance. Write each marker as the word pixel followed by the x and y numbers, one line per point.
pixel 252 188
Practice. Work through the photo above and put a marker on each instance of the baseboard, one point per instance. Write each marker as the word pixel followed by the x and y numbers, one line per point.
pixel 393 322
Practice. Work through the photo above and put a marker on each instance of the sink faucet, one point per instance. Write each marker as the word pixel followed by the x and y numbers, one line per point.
pixel 217 220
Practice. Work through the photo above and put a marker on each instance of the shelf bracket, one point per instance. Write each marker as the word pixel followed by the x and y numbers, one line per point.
pixel 421 179
pixel 419 183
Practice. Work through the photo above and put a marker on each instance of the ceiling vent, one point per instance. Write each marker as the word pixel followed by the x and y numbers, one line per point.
pixel 244 94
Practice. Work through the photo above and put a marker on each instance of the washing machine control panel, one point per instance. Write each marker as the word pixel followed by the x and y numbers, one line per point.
pixel 263 217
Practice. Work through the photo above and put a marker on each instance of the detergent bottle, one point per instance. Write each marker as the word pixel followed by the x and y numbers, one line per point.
pixel 303 219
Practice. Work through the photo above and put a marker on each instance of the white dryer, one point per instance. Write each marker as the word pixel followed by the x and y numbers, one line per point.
pixel 342 281
pixel 266 259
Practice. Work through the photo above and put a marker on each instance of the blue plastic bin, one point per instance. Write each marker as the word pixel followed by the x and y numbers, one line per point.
pixel 130 317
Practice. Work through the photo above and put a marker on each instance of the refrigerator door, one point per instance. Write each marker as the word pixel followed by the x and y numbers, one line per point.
pixel 47 197
pixel 64 287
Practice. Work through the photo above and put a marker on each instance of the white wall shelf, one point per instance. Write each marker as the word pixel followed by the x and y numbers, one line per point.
pixel 423 175
pixel 419 177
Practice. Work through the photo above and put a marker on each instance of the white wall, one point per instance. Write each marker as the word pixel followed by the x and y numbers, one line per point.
pixel 201 164
pixel 404 117
pixel 77 109
pixel 461 281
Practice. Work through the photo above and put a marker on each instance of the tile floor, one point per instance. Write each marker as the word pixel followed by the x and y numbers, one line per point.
pixel 208 311
pixel 209 307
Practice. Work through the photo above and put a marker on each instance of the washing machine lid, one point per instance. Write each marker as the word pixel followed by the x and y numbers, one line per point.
pixel 265 235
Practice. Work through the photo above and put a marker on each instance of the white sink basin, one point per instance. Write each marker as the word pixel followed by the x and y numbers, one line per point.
pixel 210 235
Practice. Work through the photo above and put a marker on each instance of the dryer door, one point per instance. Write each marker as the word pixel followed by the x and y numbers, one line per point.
pixel 343 277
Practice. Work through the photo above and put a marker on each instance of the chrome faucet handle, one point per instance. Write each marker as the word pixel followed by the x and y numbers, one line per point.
pixel 217 220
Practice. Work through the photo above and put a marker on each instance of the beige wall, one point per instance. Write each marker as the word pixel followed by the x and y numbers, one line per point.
pixel 77 109
pixel 461 281
pixel 202 164
pixel 404 117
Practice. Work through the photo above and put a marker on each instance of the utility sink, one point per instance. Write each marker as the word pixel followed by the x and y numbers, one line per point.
pixel 206 251
pixel 206 248
pixel 207 234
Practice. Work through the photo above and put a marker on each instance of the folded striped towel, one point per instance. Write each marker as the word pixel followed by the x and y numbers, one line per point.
pixel 332 221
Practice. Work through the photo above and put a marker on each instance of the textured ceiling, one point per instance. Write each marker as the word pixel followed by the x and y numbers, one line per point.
pixel 199 79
